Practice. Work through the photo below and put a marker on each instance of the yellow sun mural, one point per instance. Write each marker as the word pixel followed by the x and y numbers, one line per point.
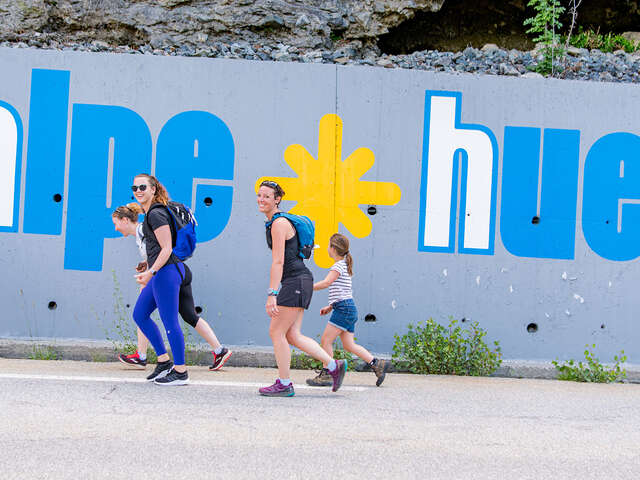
pixel 329 190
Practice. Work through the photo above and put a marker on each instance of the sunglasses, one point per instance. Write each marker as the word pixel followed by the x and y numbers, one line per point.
pixel 142 187
pixel 269 183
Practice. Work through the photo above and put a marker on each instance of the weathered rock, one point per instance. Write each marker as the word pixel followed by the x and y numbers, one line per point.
pixel 632 36
pixel 308 24
pixel 490 47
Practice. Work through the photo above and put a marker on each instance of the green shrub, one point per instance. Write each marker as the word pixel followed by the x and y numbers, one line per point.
pixel 302 361
pixel 592 370
pixel 607 43
pixel 431 348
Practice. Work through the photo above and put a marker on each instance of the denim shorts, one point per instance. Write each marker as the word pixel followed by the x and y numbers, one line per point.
pixel 345 315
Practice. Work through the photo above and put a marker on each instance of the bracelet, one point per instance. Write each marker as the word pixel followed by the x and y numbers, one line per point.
pixel 272 293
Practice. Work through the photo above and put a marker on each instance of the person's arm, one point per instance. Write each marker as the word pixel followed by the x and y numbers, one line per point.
pixel 163 235
pixel 279 232
pixel 331 277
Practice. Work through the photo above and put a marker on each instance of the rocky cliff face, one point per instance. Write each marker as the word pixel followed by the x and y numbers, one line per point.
pixel 306 24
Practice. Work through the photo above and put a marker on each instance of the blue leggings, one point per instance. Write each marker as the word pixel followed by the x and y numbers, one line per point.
pixel 162 293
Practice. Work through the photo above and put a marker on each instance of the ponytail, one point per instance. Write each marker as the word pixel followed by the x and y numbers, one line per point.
pixel 340 243
pixel 349 260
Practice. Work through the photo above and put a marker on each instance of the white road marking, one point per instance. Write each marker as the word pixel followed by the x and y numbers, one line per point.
pixel 208 383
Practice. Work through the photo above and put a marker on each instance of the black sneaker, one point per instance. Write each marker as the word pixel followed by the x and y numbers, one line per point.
pixel 380 368
pixel 162 368
pixel 173 378
pixel 133 360
pixel 220 359
pixel 323 379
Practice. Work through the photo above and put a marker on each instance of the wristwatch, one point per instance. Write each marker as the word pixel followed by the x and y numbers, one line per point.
pixel 272 293
pixel 153 272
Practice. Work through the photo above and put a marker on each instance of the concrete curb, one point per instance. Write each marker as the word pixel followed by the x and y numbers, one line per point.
pixel 243 356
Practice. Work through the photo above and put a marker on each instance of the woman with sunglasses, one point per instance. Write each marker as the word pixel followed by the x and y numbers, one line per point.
pixel 286 305
pixel 125 221
pixel 161 282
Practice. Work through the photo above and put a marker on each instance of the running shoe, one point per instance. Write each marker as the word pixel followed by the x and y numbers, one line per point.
pixel 162 368
pixel 323 379
pixel 133 360
pixel 277 390
pixel 220 359
pixel 173 378
pixel 380 368
pixel 338 374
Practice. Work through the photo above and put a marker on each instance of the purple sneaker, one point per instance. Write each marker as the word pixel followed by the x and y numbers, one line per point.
pixel 277 390
pixel 338 374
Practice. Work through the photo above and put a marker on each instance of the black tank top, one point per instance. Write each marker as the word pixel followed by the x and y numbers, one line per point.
pixel 293 264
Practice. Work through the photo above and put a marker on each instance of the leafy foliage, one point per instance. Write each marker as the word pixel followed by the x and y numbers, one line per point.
pixel 546 24
pixel 592 370
pixel 607 43
pixel 432 348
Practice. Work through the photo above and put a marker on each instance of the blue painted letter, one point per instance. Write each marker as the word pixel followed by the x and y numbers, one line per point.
pixel 109 146
pixel 611 198
pixel 554 235
pixel 194 150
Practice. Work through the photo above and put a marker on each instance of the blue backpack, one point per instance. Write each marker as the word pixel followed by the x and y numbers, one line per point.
pixel 185 223
pixel 304 228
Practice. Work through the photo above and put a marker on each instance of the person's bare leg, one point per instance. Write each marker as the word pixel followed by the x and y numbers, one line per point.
pixel 206 332
pixel 278 328
pixel 328 337
pixel 306 344
pixel 350 345
pixel 143 343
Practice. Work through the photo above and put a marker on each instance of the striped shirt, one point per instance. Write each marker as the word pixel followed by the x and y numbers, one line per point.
pixel 340 289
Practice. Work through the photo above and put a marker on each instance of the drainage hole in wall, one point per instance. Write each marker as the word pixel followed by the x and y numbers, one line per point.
pixel 372 210
pixel 198 309
pixel 602 326
pixel 463 320
pixel 208 201
pixel 52 305
pixel 369 317
pixel 532 328
pixel 535 220
pixel 607 222
pixel 128 306
pixel 57 198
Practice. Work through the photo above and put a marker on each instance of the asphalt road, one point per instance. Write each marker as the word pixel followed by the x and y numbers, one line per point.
pixel 80 420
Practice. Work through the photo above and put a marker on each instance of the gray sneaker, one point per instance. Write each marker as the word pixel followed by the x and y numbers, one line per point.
pixel 324 379
pixel 380 368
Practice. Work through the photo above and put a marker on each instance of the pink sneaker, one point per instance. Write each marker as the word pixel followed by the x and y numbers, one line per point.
pixel 277 390
pixel 338 374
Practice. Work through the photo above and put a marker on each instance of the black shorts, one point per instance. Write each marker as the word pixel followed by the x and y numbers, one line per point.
pixel 296 291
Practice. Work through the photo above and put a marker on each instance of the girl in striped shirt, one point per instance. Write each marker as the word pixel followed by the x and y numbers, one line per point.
pixel 345 315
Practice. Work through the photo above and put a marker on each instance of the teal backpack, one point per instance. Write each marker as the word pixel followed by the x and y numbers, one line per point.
pixel 304 228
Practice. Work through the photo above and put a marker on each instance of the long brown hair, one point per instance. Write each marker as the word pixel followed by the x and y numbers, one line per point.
pixel 340 244
pixel 129 211
pixel 161 195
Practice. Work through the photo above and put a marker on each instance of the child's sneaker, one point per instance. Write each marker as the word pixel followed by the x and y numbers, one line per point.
pixel 277 390
pixel 173 378
pixel 323 379
pixel 380 368
pixel 338 374
pixel 162 368
pixel 132 360
pixel 220 359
